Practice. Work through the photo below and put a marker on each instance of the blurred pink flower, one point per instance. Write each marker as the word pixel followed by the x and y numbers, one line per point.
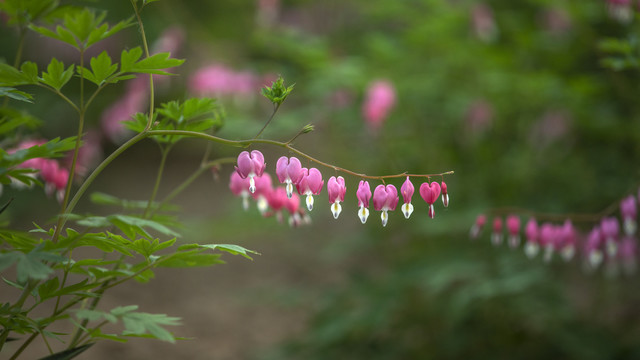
pixel 620 10
pixel 133 101
pixel 479 116
pixel 88 155
pixel 483 23
pixel 379 101
pixel 553 126
pixel 219 80
pixel 556 21
pixel 267 12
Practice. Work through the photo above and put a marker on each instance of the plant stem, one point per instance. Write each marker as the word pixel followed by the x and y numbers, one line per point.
pixel 146 53
pixel 286 145
pixel 194 176
pixel 275 109
pixel 154 192
pixel 76 150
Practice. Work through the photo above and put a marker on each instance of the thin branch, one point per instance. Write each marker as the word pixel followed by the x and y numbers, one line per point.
pixel 275 110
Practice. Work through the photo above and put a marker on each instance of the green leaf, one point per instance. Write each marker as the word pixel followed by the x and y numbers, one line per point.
pixel 278 92
pixel 10 76
pixel 30 71
pixel 139 323
pixel 103 31
pixel 24 12
pixel 95 315
pixel 193 258
pixel 56 75
pixel 147 248
pixel 123 310
pixel 45 289
pixel 232 249
pixel 106 199
pixel 74 288
pixel 101 69
pixel 11 119
pixel 131 225
pixel 16 94
pixel 68 354
pixel 129 58
pixel 61 34
pixel 8 259
pixel 154 64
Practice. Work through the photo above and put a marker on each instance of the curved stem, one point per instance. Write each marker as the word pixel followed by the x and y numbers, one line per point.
pixel 63 96
pixel 76 150
pixel 286 145
pixel 146 53
pixel 194 176
pixel 275 109
pixel 154 192
pixel 98 170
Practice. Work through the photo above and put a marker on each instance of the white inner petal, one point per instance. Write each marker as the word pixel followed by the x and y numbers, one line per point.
pixel 309 202
pixel 336 209
pixel 363 214
pixel 407 209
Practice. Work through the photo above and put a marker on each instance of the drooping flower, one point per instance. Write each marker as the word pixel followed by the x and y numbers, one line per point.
pixel 277 199
pixel 531 248
pixel 385 198
pixel 379 100
pixel 629 212
pixel 240 187
pixel 628 253
pixel 481 220
pixel 310 184
pixel 289 172
pixel 496 235
pixel 292 204
pixel 337 189
pixel 610 230
pixel 430 193
pixel 363 194
pixel 251 165
pixel 567 240
pixel 483 23
pixel 263 191
pixel 513 227
pixel 547 240
pixel 621 10
pixel 445 195
pixel 55 178
pixel 407 191
pixel 593 248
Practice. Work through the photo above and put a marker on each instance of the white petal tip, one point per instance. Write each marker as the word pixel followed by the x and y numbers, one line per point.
pixel 309 202
pixel 363 214
pixel 336 209
pixel 407 209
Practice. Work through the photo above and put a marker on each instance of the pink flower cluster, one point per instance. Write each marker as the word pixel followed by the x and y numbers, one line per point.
pixel 607 242
pixel 379 101
pixel 249 180
pixel 622 10
pixel 219 80
pixel 54 176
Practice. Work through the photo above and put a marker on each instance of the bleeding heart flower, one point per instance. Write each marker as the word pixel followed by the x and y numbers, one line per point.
pixel 513 227
pixel 289 172
pixel 250 165
pixel 430 193
pixel 385 198
pixel 336 189
pixel 363 194
pixel 407 191
pixel 310 184
pixel 445 195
